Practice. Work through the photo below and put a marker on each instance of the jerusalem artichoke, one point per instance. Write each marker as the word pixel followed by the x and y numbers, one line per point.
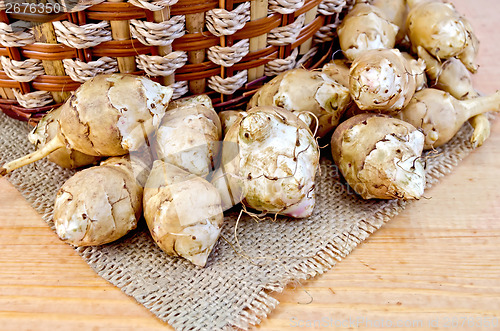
pixel 183 212
pixel 269 162
pixel 440 115
pixel 108 115
pixel 379 157
pixel 299 90
pixel 98 205
pixel 189 136
pixel 383 80
pixel 453 77
pixel 365 28
pixel 48 128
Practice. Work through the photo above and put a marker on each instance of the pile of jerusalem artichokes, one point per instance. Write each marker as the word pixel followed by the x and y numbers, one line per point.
pixel 402 87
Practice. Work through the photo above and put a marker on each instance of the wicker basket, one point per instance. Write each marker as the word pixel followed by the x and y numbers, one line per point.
pixel 224 48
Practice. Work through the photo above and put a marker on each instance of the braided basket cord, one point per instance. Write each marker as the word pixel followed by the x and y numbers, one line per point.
pixel 223 48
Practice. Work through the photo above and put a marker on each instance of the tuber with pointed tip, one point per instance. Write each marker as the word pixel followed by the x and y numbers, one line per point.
pixel 453 77
pixel 189 136
pixel 365 28
pixel 183 212
pixel 384 80
pixel 98 205
pixel 442 31
pixel 379 156
pixel 65 157
pixel 269 163
pixel 108 115
pixel 440 115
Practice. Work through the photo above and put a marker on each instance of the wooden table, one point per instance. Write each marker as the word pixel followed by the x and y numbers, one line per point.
pixel 436 264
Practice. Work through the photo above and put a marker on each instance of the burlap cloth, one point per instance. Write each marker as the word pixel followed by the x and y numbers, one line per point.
pixel 235 289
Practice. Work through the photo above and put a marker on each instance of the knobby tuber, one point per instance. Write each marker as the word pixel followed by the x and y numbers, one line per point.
pixel 109 115
pixel 302 91
pixel 189 136
pixel 379 156
pixel 365 28
pixel 183 212
pixel 384 80
pixel 269 162
pixel 440 115
pixel 228 118
pixel 48 128
pixel 98 205
pixel 439 29
pixel 395 11
pixel 453 77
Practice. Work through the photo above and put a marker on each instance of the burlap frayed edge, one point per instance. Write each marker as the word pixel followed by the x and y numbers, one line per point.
pixel 332 253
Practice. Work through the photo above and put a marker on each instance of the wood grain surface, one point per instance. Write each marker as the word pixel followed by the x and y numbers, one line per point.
pixel 437 264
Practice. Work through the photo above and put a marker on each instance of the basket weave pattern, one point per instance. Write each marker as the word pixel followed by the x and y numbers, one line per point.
pixel 223 48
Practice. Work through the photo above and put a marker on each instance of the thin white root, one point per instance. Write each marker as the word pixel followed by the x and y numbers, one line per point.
pixel 48 148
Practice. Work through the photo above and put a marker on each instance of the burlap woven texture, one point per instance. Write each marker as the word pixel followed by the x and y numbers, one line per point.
pixel 235 289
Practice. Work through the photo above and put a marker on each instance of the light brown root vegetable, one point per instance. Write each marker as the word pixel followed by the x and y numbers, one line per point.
pixel 183 212
pixel 108 115
pixel 364 28
pixel 453 77
pixel 417 70
pixel 98 205
pixel 269 162
pixel 189 136
pixel 48 128
pixel 379 156
pixel 395 11
pixel 438 28
pixel 384 80
pixel 301 91
pixel 229 117
pixel 338 71
pixel 440 115
pixel 266 93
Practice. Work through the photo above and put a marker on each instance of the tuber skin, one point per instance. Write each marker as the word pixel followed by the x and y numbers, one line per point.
pixel 439 29
pixel 379 156
pixel 440 115
pixel 302 91
pixel 453 77
pixel 189 136
pixel 395 11
pixel 65 157
pixel 269 163
pixel 384 80
pixel 109 115
pixel 183 212
pixel 228 118
pixel 337 70
pixel 365 28
pixel 98 205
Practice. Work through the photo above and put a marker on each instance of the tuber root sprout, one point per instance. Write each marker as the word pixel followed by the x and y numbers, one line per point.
pixel 48 128
pixel 440 115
